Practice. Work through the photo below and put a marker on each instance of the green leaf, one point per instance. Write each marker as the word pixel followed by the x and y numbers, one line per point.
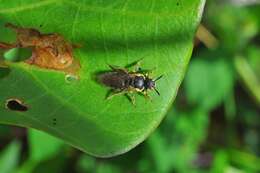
pixel 9 158
pixel 208 82
pixel 248 76
pixel 220 162
pixel 110 32
pixel 39 140
pixel 42 147
pixel 86 163
pixel 248 68
pixel 5 131
pixel 244 160
pixel 240 21
pixel 53 165
pixel 174 148
pixel 161 152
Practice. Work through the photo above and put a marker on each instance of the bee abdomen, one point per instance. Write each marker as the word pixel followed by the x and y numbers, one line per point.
pixel 114 80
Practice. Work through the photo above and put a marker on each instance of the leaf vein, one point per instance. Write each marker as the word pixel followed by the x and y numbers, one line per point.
pixel 28 7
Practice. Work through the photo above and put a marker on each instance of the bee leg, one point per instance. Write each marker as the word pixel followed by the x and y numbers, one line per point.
pixel 145 94
pixel 137 68
pixel 149 72
pixel 131 97
pixel 113 93
pixel 135 65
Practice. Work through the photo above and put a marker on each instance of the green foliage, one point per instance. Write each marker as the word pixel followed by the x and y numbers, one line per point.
pixel 86 163
pixel 171 148
pixel 110 32
pixel 39 140
pixel 220 163
pixel 248 69
pixel 42 147
pixel 9 157
pixel 208 81
pixel 234 26
pixel 4 131
pixel 214 123
pixel 252 54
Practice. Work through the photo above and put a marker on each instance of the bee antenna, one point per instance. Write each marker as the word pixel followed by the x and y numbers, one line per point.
pixel 158 78
pixel 156 91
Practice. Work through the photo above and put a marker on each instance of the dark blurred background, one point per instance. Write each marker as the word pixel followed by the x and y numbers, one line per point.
pixel 213 126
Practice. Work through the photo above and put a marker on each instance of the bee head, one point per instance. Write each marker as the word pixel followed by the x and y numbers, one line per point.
pixel 150 84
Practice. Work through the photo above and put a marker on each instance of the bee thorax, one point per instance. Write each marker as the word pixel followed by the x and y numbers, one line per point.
pixel 138 82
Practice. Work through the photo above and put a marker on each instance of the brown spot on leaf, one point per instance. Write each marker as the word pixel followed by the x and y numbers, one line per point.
pixel 50 51
pixel 16 105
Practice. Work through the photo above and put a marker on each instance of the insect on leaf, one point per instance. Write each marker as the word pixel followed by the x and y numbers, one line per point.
pixel 112 32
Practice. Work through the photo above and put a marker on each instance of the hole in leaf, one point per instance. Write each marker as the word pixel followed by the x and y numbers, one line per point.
pixel 16 105
pixel 18 54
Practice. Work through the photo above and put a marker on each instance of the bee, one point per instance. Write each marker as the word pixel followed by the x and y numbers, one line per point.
pixel 122 81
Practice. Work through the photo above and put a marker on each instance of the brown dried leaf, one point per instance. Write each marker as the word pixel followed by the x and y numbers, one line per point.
pixel 49 51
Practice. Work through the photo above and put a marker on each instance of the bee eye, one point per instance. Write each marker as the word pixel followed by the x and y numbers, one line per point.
pixel 151 84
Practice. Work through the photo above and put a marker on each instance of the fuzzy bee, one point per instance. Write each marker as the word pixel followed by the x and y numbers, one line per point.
pixel 125 82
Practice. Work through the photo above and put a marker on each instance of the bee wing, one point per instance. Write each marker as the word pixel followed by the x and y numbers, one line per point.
pixel 116 80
